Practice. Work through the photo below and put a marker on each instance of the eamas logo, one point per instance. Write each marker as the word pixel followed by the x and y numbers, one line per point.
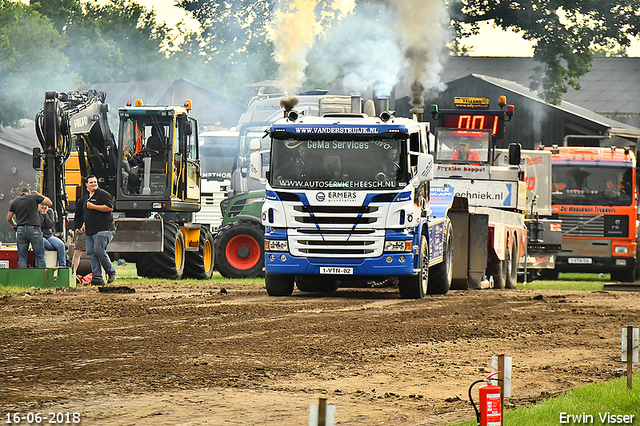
pixel 291 144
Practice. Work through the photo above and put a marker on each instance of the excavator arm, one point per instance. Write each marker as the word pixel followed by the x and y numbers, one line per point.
pixel 65 118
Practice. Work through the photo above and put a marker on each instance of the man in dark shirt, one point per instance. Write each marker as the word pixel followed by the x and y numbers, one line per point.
pixel 24 217
pixel 99 229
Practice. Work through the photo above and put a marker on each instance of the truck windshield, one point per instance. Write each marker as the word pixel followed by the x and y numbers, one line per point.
pixel 218 153
pixel 592 185
pixel 462 146
pixel 357 164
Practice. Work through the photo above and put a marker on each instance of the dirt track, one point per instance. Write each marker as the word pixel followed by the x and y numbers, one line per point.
pixel 176 354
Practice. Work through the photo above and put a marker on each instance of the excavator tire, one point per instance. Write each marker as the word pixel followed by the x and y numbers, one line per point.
pixel 168 263
pixel 441 275
pixel 199 264
pixel 239 250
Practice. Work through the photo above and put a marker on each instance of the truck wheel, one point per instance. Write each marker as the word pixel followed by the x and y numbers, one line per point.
pixel 239 248
pixel 623 276
pixel 549 274
pixel 512 266
pixel 440 275
pixel 498 270
pixel 313 284
pixel 279 285
pixel 199 264
pixel 168 263
pixel 415 286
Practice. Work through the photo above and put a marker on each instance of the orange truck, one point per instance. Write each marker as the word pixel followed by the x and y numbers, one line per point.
pixel 595 195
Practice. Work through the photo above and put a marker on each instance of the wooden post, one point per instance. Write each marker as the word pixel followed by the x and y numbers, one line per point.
pixel 629 357
pixel 322 412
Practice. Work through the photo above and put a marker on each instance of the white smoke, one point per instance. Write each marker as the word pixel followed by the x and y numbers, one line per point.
pixel 296 25
pixel 363 50
pixel 424 25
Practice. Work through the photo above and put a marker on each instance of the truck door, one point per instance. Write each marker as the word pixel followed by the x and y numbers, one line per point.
pixel 188 161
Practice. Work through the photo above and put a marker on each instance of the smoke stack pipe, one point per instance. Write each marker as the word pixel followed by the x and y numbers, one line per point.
pixel 288 104
pixel 383 104
pixel 356 104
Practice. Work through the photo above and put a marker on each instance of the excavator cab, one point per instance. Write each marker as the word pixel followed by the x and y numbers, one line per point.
pixel 158 162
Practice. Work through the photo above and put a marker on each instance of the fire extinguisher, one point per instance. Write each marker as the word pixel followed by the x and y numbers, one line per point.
pixel 489 413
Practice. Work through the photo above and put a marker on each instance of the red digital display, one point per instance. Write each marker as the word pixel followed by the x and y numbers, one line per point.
pixel 474 121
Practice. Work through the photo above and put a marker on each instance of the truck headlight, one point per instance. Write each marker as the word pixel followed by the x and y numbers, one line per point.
pixel 397 246
pixel 620 250
pixel 276 245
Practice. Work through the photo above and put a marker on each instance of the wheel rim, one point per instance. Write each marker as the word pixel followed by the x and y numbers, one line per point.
pixel 208 250
pixel 235 248
pixel 178 254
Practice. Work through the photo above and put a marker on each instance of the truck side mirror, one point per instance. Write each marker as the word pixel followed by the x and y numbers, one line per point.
pixel 254 144
pixel 188 130
pixel 37 160
pixel 515 154
pixel 255 165
pixel 425 168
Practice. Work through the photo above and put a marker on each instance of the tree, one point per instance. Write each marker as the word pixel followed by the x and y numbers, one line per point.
pixel 31 58
pixel 235 48
pixel 564 32
pixel 116 41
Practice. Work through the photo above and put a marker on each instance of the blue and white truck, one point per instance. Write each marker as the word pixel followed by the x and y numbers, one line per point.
pixel 347 201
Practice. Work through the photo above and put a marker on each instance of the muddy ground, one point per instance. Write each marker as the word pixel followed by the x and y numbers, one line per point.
pixel 202 354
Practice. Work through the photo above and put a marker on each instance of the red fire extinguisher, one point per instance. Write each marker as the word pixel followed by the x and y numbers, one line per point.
pixel 489 413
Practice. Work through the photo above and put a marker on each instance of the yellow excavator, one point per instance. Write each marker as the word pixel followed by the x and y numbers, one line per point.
pixel 152 172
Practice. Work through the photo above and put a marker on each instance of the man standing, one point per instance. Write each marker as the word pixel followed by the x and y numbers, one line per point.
pixel 99 229
pixel 24 217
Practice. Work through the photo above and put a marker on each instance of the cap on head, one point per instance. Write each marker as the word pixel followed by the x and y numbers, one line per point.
pixel 464 141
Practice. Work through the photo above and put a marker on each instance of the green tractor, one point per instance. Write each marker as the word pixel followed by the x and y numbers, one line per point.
pixel 239 242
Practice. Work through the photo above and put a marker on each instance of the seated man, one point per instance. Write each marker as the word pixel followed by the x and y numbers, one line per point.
pixel 51 242
pixel 464 153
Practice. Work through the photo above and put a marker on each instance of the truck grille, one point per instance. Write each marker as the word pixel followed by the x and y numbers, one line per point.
pixel 578 225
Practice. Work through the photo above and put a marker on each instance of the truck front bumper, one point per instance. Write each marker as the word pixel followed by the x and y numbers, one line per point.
pixel 387 265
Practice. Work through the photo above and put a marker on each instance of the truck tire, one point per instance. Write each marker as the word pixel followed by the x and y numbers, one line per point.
pixel 239 250
pixel 199 264
pixel 314 284
pixel 168 263
pixel 498 270
pixel 512 265
pixel 549 274
pixel 441 275
pixel 279 285
pixel 623 276
pixel 415 286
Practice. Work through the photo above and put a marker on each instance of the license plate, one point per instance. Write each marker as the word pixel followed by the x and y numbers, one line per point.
pixel 581 260
pixel 335 270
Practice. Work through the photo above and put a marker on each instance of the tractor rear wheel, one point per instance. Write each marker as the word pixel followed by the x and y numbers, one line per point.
pixel 239 250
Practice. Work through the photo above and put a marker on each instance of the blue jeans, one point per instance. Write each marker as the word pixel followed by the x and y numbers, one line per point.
pixel 97 253
pixel 26 235
pixel 55 243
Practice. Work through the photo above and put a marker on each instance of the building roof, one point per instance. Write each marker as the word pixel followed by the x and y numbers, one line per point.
pixel 615 128
pixel 612 85
pixel 21 139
